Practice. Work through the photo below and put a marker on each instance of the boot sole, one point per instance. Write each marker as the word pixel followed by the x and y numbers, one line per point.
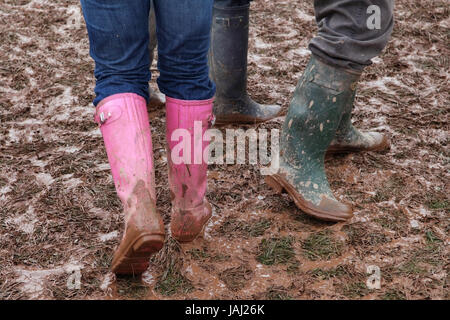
pixel 134 258
pixel 280 185
pixel 383 146
pixel 200 234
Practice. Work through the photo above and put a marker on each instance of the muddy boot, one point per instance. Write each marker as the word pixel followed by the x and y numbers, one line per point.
pixel 187 167
pixel 157 99
pixel 350 139
pixel 228 69
pixel 311 123
pixel 124 124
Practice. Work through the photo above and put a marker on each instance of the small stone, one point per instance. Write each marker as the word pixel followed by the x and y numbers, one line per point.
pixel 414 224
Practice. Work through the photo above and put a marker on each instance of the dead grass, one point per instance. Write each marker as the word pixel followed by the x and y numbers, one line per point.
pixel 46 89
pixel 232 226
pixel 393 294
pixel 169 262
pixel 131 288
pixel 393 187
pixel 235 278
pixel 276 251
pixel 322 246
pixel 339 271
pixel 277 293
pixel 364 239
pixel 10 290
pixel 430 256
pixel 394 220
pixel 355 290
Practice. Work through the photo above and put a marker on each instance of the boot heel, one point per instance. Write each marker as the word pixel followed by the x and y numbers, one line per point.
pixel 134 259
pixel 148 244
pixel 274 185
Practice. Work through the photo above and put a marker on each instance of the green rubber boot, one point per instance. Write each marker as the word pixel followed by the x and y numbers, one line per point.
pixel 350 139
pixel 313 118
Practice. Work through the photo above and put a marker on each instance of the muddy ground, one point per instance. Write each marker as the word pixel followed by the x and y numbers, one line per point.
pixel 59 211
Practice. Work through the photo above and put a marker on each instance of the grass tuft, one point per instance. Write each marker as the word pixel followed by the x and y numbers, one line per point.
pixel 322 274
pixel 355 290
pixel 170 261
pixel 432 254
pixel 393 294
pixel 276 251
pixel 361 236
pixel 321 246
pixel 173 282
pixel 234 227
pixel 438 201
pixel 277 293
pixel 131 288
pixel 199 254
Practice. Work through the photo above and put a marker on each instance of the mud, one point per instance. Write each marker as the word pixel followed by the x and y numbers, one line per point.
pixel 59 209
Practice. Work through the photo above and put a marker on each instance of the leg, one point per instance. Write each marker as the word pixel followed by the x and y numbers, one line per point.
pixel 156 98
pixel 153 41
pixel 119 39
pixel 183 42
pixel 228 63
pixel 321 104
pixel 344 40
pixel 231 3
pixel 183 32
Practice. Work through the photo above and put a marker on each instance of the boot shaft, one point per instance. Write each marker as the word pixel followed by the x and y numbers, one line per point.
pixel 345 124
pixel 125 128
pixel 186 124
pixel 316 109
pixel 228 51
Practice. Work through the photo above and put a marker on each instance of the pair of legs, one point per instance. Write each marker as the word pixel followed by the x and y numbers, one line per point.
pixel 228 64
pixel 119 39
pixel 319 116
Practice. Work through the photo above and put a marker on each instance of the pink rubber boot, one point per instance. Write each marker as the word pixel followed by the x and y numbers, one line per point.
pixel 124 124
pixel 187 172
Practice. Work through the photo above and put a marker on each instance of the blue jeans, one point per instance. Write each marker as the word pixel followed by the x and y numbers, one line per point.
pixel 119 38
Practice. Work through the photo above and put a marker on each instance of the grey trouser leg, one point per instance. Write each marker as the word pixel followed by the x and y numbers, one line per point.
pixel 152 32
pixel 344 38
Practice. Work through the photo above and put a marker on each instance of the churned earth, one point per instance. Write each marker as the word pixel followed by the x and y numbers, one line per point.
pixel 59 212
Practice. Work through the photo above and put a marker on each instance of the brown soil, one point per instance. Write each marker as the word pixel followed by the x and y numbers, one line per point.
pixel 59 211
